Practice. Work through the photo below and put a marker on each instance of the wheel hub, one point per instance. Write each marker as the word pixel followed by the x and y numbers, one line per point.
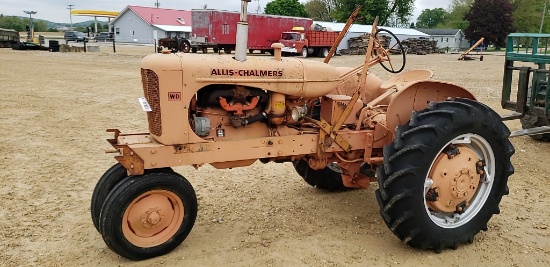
pixel 152 218
pixel 154 215
pixel 463 183
pixel 455 178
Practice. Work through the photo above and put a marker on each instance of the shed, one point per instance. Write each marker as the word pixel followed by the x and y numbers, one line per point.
pixel 453 39
pixel 357 30
pixel 137 24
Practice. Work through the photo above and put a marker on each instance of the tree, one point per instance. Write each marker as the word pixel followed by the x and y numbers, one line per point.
pixel 18 23
pixel 320 9
pixel 401 10
pixel 430 18
pixel 286 8
pixel 494 24
pixel 528 15
pixel 455 18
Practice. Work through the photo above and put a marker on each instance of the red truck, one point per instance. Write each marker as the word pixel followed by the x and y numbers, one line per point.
pixel 219 27
pixel 308 42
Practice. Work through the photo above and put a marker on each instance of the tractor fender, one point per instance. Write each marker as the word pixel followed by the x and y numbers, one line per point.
pixel 417 95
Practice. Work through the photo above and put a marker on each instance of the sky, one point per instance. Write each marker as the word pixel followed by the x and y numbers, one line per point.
pixel 57 10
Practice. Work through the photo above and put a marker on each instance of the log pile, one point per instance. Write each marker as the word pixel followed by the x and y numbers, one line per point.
pixel 419 46
pixel 358 45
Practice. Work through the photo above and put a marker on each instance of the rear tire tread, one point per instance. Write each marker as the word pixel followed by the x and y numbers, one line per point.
pixel 401 177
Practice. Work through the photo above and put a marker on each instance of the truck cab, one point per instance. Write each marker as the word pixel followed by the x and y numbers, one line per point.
pixel 308 42
pixel 294 42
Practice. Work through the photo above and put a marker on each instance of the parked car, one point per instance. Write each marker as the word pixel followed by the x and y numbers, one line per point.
pixel 75 36
pixel 104 36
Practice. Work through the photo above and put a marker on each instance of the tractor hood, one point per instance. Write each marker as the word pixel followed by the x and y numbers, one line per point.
pixel 290 76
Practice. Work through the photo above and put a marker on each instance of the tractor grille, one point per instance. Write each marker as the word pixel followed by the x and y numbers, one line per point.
pixel 150 82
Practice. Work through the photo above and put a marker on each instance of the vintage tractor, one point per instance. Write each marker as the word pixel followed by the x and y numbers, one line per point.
pixel 527 55
pixel 180 44
pixel 441 159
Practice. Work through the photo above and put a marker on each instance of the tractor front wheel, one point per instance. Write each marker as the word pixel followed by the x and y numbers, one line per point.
pixel 104 185
pixel 445 174
pixel 148 215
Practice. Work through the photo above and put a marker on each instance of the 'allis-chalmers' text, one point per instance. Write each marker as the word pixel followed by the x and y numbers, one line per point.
pixel 259 73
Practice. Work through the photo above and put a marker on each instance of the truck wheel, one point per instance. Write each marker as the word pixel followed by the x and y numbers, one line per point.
pixel 106 183
pixel 148 215
pixel 329 178
pixel 227 50
pixel 444 174
pixel 204 50
pixel 304 52
pixel 194 50
pixel 323 52
pixel 532 121
pixel 215 49
pixel 184 46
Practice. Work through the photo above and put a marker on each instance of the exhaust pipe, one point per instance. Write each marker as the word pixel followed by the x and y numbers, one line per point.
pixel 242 33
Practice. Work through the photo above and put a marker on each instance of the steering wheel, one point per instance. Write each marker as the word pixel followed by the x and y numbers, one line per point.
pixel 397 51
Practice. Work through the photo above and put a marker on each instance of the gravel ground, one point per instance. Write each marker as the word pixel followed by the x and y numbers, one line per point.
pixel 56 107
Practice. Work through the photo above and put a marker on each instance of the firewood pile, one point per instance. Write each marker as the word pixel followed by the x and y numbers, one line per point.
pixel 419 46
pixel 358 45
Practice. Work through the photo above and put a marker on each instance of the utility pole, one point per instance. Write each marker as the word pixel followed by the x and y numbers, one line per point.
pixel 542 21
pixel 70 8
pixel 258 8
pixel 157 4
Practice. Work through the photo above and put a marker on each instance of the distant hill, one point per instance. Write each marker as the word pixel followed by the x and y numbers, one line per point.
pixel 51 24
pixel 82 24
pixel 19 23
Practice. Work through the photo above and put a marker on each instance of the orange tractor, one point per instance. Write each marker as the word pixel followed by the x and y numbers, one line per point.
pixel 441 158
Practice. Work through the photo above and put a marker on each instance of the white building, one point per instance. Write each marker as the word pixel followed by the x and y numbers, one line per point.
pixel 138 24
pixel 451 39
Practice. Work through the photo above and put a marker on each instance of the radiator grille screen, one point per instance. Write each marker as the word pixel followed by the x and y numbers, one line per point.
pixel 150 82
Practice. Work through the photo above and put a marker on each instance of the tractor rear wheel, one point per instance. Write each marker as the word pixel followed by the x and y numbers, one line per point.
pixel 148 215
pixel 184 46
pixel 445 174
pixel 329 178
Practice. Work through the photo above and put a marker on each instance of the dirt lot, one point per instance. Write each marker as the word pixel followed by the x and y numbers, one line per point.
pixel 55 108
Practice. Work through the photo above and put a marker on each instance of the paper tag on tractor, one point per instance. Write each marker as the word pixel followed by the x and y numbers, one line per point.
pixel 144 104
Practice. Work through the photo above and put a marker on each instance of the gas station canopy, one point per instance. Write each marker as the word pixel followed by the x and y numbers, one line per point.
pixel 95 13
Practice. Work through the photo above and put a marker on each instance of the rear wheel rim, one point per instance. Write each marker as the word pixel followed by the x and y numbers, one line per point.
pixel 152 218
pixel 485 153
